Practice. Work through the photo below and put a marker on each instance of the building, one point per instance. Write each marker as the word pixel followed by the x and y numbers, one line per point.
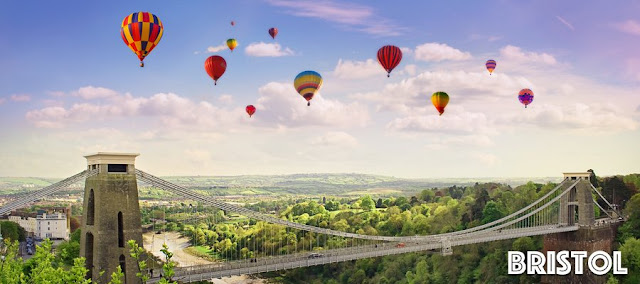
pixel 51 222
pixel 52 226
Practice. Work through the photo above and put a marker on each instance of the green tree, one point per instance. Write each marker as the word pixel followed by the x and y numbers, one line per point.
pixel 137 253
pixel 630 252
pixel 491 212
pixel 367 203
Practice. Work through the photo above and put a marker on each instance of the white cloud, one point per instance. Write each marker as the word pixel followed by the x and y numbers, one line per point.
pixel 198 156
pixel 410 69
pixel 347 15
pixel 594 117
pixel 629 26
pixel 434 51
pixel 566 23
pixel 335 139
pixel 516 53
pixel 262 49
pixel 169 109
pixel 20 98
pixel 485 158
pixel 217 48
pixel 347 69
pixel 91 92
pixel 280 105
pixel 452 122
pixel 225 99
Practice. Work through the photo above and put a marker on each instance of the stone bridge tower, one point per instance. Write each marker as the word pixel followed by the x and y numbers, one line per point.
pixel 111 216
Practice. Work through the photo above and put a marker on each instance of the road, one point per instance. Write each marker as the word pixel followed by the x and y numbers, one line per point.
pixel 176 243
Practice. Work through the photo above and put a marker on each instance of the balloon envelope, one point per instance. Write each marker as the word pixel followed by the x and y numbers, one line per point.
pixel 440 101
pixel 250 110
pixel 525 97
pixel 233 23
pixel 389 57
pixel 307 84
pixel 215 66
pixel 491 64
pixel 273 32
pixel 232 43
pixel 141 32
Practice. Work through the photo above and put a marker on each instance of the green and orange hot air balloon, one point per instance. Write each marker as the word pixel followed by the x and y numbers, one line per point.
pixel 141 31
pixel 232 43
pixel 440 101
pixel 307 84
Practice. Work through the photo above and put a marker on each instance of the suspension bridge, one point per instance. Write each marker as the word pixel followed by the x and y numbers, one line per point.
pixel 566 208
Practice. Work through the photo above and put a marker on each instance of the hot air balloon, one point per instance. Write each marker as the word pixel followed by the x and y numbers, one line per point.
pixel 440 101
pixel 233 23
pixel 491 64
pixel 141 32
pixel 307 84
pixel 525 96
pixel 232 43
pixel 273 32
pixel 215 66
pixel 250 110
pixel 389 57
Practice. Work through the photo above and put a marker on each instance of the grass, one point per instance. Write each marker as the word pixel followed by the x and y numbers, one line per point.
pixel 202 252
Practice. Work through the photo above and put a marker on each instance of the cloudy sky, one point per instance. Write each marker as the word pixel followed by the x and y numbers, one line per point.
pixel 69 87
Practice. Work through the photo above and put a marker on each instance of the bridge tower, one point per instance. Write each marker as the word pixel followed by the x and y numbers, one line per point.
pixel 577 207
pixel 111 216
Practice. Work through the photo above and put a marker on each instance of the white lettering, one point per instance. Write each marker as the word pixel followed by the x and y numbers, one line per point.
pixel 579 257
pixel 551 262
pixel 515 262
pixel 535 265
pixel 617 264
pixel 565 265
pixel 593 262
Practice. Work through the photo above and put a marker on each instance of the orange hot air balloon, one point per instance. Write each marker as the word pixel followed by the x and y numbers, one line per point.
pixel 215 66
pixel 273 32
pixel 250 110
pixel 232 43
pixel 440 101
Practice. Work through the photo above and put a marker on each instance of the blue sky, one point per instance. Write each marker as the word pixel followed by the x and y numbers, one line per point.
pixel 70 87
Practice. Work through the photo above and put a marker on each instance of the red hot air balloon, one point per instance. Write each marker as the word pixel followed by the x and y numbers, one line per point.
pixel 273 32
pixel 389 57
pixel 250 110
pixel 525 96
pixel 233 23
pixel 215 66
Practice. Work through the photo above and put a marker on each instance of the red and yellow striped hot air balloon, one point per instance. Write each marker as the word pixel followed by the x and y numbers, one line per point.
pixel 440 101
pixel 141 31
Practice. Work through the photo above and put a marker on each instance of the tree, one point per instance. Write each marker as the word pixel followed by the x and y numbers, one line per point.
pixel 491 212
pixel 73 224
pixel 630 252
pixel 367 203
pixel 379 203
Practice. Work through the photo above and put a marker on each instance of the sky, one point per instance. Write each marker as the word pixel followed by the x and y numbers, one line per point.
pixel 69 87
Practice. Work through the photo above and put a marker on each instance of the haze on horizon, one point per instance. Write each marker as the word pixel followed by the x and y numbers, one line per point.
pixel 70 87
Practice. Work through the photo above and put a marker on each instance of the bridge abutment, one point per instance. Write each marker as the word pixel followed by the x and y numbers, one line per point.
pixel 586 238
pixel 111 217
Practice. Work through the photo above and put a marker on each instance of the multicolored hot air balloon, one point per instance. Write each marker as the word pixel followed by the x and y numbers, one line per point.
pixel 307 84
pixel 232 43
pixel 525 96
pixel 141 32
pixel 440 101
pixel 389 57
pixel 215 66
pixel 250 110
pixel 273 32
pixel 491 64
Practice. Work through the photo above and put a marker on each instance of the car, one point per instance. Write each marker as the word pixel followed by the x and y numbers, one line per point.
pixel 315 255
pixel 400 245
pixel 29 251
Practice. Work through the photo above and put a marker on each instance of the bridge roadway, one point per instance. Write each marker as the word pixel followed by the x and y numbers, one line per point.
pixel 289 261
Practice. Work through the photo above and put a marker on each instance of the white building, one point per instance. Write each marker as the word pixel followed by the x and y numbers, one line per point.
pixel 52 226
pixel 28 223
